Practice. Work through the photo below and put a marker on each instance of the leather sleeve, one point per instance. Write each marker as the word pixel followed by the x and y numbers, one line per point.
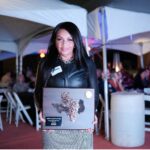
pixel 38 94
pixel 94 81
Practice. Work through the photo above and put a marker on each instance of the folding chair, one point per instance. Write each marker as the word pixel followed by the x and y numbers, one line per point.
pixel 147 110
pixel 1 124
pixel 4 106
pixel 21 108
pixel 12 106
pixel 38 126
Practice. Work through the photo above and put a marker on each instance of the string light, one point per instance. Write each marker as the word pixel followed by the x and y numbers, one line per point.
pixel 117 65
pixel 42 53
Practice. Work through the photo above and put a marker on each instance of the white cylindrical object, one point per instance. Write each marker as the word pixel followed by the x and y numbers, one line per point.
pixel 127 119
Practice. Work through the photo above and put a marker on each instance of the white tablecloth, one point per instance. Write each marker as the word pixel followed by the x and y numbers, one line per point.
pixel 127 119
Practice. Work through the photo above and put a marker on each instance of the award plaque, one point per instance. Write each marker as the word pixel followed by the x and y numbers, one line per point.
pixel 68 108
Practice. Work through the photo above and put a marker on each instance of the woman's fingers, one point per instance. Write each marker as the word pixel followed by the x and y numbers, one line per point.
pixel 90 130
pixel 41 117
pixel 43 121
pixel 95 120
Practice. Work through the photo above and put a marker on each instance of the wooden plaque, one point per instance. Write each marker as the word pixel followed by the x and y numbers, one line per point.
pixel 66 108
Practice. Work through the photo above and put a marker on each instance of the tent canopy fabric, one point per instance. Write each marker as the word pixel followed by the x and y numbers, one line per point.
pixel 37 44
pixel 13 31
pixel 125 30
pixel 138 44
pixel 121 23
pixel 6 55
pixel 21 21
pixel 133 5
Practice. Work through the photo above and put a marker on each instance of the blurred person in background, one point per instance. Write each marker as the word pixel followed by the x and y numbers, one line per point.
pixel 21 85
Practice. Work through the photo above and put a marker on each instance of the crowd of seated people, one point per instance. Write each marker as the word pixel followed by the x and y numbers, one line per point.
pixel 23 85
pixel 7 80
pixel 25 80
pixel 123 81
pixel 20 84
pixel 30 78
pixel 115 82
pixel 142 79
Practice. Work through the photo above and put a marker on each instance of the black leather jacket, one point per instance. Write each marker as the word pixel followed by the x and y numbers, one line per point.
pixel 65 76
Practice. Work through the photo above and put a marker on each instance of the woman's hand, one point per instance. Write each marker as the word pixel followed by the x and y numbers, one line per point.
pixel 43 121
pixel 41 117
pixel 95 120
pixel 94 123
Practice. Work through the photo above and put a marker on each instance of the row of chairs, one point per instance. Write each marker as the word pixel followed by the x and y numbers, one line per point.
pixel 16 107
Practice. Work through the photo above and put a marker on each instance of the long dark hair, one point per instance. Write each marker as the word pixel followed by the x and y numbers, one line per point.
pixel 80 53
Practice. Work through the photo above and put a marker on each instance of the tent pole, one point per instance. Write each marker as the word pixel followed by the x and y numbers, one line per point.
pixel 141 56
pixel 86 45
pixel 141 61
pixel 17 65
pixel 105 74
pixel 21 63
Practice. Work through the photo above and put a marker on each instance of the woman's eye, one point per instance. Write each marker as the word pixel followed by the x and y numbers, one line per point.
pixel 63 40
pixel 58 39
pixel 70 39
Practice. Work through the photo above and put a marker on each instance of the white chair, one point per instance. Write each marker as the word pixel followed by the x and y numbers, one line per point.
pixel 12 106
pixel 38 125
pixel 4 108
pixel 21 108
pixel 1 124
pixel 147 110
pixel 7 107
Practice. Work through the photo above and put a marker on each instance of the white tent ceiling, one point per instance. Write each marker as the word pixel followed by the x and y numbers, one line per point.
pixel 14 31
pixel 137 44
pixel 37 44
pixel 21 20
pixel 126 30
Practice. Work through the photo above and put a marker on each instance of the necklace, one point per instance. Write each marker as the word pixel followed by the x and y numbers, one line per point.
pixel 67 61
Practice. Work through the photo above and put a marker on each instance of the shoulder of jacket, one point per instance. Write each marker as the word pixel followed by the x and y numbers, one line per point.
pixel 41 64
pixel 90 62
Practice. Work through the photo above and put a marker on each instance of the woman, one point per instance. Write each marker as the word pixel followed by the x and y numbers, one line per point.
pixel 115 82
pixel 20 85
pixel 76 70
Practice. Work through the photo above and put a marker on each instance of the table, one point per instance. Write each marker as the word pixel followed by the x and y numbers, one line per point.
pixel 127 119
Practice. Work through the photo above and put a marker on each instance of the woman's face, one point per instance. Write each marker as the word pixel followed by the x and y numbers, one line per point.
pixel 64 44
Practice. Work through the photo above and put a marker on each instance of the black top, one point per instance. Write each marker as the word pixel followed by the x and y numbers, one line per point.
pixel 65 75
pixel 68 76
